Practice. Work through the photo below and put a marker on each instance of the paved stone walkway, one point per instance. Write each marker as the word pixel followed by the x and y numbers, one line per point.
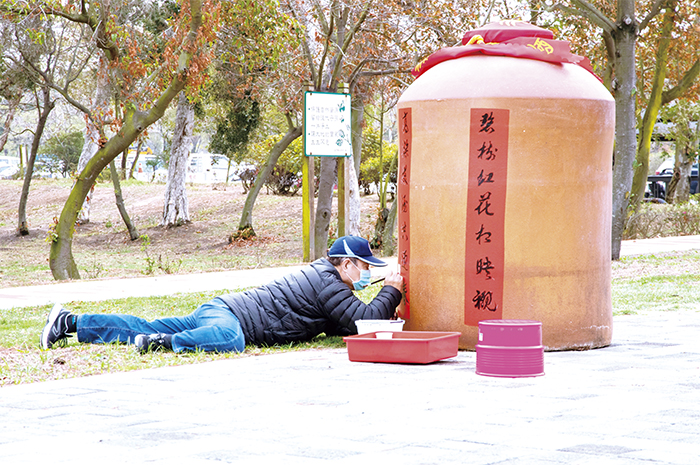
pixel 635 402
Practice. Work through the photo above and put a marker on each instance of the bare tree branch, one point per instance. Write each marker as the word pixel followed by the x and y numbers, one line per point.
pixel 609 45
pixel 322 19
pixel 358 69
pixel 384 72
pixel 655 9
pixel 28 65
pixel 686 82
pixel 304 43
pixel 349 37
pixel 588 11
pixel 326 47
pixel 71 76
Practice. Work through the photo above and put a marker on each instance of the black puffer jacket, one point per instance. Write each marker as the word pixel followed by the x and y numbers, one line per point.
pixel 304 304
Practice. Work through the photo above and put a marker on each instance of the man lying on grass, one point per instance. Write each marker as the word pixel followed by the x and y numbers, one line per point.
pixel 316 299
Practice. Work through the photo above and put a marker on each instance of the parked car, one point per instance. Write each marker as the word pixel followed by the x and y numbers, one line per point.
pixel 8 171
pixel 668 163
pixel 657 188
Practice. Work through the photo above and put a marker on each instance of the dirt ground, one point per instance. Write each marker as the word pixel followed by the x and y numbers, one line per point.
pixel 102 248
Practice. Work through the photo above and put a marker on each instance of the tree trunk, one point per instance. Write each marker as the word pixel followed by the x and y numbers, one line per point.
pixel 122 167
pixel 353 212
pixel 176 210
pixel 246 223
pixel 136 160
pixel 21 161
pixel 641 166
pixel 11 111
pixel 683 169
pixel 625 135
pixel 22 226
pixel 358 118
pixel 388 241
pixel 672 184
pixel 324 207
pixel 133 233
pixel 352 183
pixel 355 206
pixel 103 94
pixel 678 189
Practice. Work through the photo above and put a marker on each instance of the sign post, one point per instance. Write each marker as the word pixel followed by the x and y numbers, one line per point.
pixel 327 133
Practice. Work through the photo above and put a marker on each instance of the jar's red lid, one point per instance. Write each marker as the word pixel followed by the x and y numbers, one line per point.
pixel 505 30
pixel 508 38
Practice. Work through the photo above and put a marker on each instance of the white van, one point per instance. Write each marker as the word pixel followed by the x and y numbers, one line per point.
pixel 207 168
pixel 8 167
pixel 9 161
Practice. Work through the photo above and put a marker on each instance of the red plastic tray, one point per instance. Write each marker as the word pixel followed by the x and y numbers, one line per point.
pixel 403 347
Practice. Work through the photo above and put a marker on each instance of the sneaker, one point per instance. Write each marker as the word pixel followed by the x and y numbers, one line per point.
pixel 152 342
pixel 56 329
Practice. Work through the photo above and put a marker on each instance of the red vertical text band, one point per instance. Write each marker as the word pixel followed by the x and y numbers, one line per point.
pixel 486 208
pixel 405 143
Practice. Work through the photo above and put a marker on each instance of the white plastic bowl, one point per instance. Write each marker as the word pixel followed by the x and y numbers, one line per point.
pixel 370 326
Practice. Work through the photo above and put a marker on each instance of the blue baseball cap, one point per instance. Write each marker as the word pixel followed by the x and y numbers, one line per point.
pixel 354 247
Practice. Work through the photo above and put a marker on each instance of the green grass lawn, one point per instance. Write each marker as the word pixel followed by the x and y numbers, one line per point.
pixel 663 282
pixel 640 284
pixel 23 361
pixel 662 293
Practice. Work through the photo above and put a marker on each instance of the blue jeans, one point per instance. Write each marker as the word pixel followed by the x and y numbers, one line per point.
pixel 212 327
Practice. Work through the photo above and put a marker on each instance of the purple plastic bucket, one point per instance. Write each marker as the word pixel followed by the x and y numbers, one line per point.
pixel 510 348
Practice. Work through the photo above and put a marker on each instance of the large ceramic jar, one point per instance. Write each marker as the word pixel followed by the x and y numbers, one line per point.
pixel 505 173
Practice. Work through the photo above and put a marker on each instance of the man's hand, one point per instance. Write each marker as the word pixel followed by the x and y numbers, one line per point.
pixel 395 280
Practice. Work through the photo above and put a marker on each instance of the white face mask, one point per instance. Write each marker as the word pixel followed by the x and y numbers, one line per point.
pixel 364 281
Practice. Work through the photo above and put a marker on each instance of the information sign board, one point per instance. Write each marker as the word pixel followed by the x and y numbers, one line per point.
pixel 327 125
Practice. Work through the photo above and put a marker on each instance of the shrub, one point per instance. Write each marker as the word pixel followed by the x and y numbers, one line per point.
pixel 662 220
pixel 285 178
pixel 371 168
